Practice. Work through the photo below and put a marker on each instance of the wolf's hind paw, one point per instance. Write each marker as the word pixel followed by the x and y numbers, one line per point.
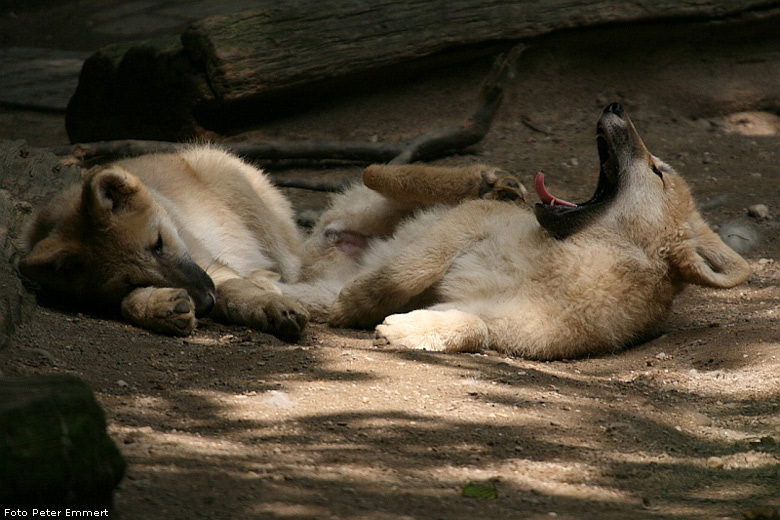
pixel 450 330
pixel 499 185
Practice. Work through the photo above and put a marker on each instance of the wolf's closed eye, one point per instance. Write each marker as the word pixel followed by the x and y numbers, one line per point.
pixel 157 247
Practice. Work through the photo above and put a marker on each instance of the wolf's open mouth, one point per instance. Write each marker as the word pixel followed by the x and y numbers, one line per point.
pixel 561 217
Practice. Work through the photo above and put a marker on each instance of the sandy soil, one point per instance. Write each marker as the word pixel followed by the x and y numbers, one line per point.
pixel 231 423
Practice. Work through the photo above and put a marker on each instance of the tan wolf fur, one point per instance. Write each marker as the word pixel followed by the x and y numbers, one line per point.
pixel 362 216
pixel 561 281
pixel 166 237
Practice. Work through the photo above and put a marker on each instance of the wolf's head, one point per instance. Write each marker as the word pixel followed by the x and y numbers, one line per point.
pixel 97 242
pixel 644 200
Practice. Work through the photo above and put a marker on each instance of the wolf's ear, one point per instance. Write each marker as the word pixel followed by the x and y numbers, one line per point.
pixel 108 192
pixel 706 260
pixel 50 261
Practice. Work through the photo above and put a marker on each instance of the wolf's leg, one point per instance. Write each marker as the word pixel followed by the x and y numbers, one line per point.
pixel 260 306
pixel 450 330
pixel 424 185
pixel 391 193
pixel 160 309
pixel 402 269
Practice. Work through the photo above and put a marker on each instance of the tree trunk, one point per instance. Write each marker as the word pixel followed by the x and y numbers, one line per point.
pixel 230 71
pixel 290 44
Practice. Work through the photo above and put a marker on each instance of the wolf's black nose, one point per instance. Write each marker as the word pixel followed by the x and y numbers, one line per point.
pixel 204 304
pixel 615 108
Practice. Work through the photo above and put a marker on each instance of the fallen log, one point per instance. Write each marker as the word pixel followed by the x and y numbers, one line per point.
pixel 231 70
pixel 290 44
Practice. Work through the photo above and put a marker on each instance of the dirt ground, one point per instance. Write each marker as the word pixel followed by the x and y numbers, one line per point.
pixel 232 423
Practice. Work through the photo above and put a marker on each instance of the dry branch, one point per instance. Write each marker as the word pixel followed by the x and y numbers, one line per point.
pixel 472 130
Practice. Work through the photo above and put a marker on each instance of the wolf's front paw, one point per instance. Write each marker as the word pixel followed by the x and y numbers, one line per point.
pixel 165 310
pixel 246 303
pixel 282 316
pixel 450 330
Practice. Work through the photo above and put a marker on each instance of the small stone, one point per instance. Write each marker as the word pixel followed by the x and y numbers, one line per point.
pixel 758 211
pixel 278 399
pixel 739 236
pixel 715 462
pixel 122 383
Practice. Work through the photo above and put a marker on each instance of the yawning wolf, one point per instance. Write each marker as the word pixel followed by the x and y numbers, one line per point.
pixel 564 280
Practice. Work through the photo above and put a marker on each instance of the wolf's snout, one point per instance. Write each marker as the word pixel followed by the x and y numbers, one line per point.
pixel 615 108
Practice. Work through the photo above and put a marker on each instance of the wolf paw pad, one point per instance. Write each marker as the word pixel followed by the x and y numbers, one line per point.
pixel 165 310
pixel 174 310
pixel 281 316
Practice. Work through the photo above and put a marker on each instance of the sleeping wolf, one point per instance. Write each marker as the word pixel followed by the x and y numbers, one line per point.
pixel 564 280
pixel 164 238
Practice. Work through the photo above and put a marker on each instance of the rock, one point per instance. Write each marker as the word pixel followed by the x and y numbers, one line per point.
pixel 758 211
pixel 278 399
pixel 16 304
pixel 149 90
pixel 55 450
pixel 31 175
pixel 739 235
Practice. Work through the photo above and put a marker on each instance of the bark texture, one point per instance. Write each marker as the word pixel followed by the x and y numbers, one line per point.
pixel 227 71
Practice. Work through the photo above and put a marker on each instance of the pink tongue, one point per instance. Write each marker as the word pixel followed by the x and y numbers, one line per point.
pixel 545 196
